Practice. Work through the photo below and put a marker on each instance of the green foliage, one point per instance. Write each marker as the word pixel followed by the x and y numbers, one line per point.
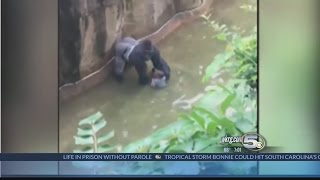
pixel 201 130
pixel 249 8
pixel 239 60
pixel 88 135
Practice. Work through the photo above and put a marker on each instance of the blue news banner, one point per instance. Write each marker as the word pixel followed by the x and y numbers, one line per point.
pixel 160 157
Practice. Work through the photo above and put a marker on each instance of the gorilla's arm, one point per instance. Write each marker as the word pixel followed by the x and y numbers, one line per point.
pixel 141 69
pixel 119 65
pixel 159 63
pixel 155 58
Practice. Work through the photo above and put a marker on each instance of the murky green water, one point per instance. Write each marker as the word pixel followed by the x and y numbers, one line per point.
pixel 134 111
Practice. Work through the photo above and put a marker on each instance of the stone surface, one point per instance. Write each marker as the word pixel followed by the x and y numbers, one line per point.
pixel 145 16
pixel 184 5
pixel 88 29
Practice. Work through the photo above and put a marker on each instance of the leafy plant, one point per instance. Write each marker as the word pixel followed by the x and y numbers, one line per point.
pixel 239 60
pixel 88 135
pixel 201 130
pixel 249 7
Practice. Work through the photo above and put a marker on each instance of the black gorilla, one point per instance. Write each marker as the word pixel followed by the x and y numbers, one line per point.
pixel 132 52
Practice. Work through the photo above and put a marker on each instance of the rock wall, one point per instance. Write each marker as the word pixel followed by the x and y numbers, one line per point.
pixel 89 28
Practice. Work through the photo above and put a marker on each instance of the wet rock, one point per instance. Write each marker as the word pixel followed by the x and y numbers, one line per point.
pixel 182 5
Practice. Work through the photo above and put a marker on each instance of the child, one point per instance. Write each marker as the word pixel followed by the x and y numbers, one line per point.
pixel 158 79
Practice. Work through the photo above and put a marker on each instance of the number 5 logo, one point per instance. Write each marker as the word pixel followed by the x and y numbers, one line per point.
pixel 253 141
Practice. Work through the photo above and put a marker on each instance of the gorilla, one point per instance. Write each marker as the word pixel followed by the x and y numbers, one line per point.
pixel 129 51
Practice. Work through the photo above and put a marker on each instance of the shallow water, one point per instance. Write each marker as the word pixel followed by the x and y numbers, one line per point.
pixel 134 111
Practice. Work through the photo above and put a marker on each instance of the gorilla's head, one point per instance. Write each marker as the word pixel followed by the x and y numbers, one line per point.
pixel 147 45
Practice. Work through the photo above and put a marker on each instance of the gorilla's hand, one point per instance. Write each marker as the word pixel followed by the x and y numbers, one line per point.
pixel 143 80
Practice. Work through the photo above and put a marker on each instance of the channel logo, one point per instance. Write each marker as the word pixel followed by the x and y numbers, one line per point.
pixel 253 141
pixel 250 141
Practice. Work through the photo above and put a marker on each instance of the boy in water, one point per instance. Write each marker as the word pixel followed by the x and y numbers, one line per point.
pixel 158 79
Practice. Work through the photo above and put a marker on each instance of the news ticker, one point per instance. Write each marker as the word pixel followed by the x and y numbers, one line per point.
pixel 161 157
